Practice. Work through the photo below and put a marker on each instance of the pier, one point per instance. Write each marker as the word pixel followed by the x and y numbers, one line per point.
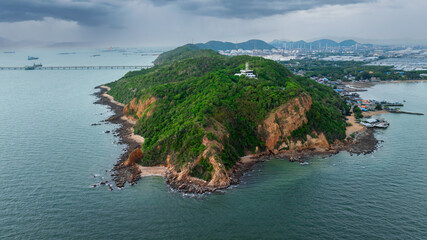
pixel 77 68
pixel 404 112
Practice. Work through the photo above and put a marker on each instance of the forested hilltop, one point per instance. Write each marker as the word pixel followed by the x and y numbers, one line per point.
pixel 198 118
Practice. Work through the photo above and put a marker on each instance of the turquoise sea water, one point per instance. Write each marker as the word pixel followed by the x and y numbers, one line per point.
pixel 49 153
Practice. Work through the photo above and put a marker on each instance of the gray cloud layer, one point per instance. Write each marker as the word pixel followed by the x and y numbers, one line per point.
pixel 247 9
pixel 174 22
pixel 85 12
pixel 102 12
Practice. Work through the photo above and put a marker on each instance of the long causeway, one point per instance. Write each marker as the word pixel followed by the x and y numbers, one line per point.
pixel 76 68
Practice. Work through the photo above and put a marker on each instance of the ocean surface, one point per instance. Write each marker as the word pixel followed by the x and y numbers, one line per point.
pixel 404 63
pixel 50 155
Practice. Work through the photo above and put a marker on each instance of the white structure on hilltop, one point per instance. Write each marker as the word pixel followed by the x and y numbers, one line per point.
pixel 247 72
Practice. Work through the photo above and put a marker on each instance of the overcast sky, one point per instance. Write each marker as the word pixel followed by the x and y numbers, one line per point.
pixel 175 22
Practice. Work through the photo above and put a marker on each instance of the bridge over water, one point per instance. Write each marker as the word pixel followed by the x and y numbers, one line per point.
pixel 76 68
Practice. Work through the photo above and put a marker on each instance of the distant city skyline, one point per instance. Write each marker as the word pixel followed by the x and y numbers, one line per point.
pixel 176 22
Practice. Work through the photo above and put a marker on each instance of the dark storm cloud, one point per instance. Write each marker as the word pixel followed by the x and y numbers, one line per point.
pixel 85 12
pixel 104 12
pixel 249 8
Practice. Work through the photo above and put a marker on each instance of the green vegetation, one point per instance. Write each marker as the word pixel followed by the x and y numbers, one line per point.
pixel 186 51
pixel 198 95
pixel 343 70
pixel 248 45
pixel 326 113
pixel 202 170
pixel 357 112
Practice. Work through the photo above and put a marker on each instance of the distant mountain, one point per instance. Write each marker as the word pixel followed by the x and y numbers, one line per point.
pixel 248 45
pixel 319 44
pixel 183 52
pixel 322 43
pixel 348 43
pixel 277 43
pixel 217 45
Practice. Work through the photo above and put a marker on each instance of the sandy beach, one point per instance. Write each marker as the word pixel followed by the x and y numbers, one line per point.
pixel 137 138
pixel 109 96
pixel 152 171
pixel 355 127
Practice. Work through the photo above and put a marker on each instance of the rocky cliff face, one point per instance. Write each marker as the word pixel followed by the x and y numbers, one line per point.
pixel 182 178
pixel 275 131
pixel 276 128
pixel 137 108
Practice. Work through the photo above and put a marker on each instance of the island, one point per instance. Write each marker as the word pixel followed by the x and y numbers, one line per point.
pixel 206 118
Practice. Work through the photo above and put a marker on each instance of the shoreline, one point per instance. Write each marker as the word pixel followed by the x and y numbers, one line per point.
pixel 354 128
pixel 374 113
pixel 122 174
pixel 364 142
pixel 137 138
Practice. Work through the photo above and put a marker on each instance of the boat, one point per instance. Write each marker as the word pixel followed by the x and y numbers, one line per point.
pixel 29 68
pixel 374 123
pixel 367 124
pixel 35 66
pixel 383 124
pixel 32 58
pixel 96 55
pixel 9 52
pixel 391 104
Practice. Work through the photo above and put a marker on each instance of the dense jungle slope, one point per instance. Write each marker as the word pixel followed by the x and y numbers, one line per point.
pixel 198 118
